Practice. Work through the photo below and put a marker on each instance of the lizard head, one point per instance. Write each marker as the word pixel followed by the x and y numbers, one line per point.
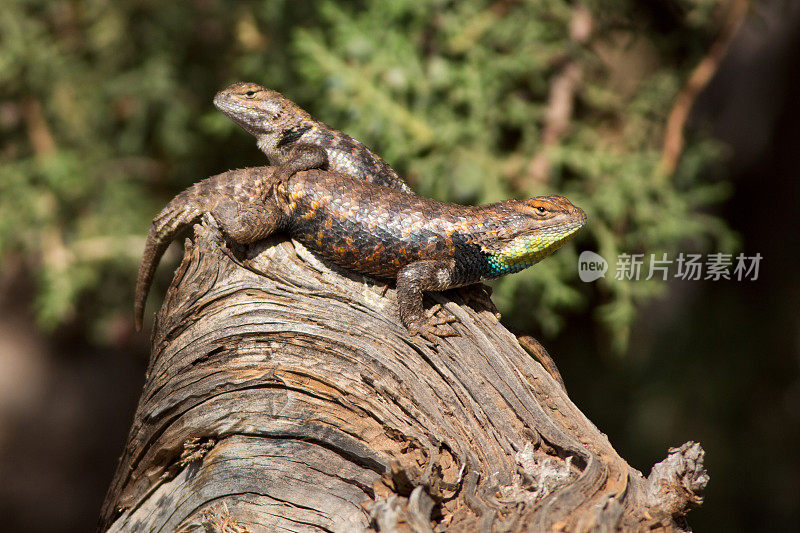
pixel 258 110
pixel 532 230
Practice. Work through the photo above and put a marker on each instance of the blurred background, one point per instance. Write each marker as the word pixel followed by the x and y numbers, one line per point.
pixel 673 123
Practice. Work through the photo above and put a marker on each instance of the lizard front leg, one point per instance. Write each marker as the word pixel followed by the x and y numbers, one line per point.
pixel 302 157
pixel 412 280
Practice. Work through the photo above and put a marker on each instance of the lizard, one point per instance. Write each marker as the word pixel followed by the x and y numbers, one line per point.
pixel 292 138
pixel 420 243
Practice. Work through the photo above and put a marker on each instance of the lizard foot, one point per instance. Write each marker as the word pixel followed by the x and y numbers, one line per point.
pixel 435 325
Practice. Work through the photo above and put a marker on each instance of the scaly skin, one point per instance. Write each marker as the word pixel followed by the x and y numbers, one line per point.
pixel 423 244
pixel 282 129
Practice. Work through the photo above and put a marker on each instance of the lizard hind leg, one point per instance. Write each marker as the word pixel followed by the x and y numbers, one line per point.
pixel 412 280
pixel 247 223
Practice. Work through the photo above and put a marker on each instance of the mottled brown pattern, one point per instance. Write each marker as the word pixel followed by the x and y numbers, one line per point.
pixel 376 230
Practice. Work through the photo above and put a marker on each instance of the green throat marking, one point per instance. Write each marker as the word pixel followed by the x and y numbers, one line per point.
pixel 527 250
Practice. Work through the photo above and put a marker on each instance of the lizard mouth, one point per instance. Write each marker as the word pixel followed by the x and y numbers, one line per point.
pixel 242 115
pixel 220 102
pixel 225 105
pixel 230 107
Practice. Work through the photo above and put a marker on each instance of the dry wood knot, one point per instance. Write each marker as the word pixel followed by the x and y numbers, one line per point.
pixel 675 485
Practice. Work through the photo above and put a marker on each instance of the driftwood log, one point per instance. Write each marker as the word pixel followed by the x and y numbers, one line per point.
pixel 283 394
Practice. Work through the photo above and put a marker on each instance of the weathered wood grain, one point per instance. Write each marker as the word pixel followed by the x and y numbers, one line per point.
pixel 283 394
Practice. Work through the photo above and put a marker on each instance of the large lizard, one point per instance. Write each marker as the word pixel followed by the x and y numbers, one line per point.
pixel 423 244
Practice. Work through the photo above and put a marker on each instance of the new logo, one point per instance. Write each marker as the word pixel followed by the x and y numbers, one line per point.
pixel 591 266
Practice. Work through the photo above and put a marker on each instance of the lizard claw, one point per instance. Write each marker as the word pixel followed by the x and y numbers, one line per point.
pixel 434 334
pixel 435 326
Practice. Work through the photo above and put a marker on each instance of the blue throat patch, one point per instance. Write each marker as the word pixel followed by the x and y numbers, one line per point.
pixel 495 267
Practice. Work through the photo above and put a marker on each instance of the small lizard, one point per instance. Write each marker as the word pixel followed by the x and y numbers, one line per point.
pixel 423 244
pixel 281 127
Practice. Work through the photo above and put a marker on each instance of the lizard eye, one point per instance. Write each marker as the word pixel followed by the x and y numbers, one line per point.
pixel 250 94
pixel 541 210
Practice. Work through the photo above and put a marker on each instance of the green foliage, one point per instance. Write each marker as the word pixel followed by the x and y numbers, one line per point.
pixel 105 113
pixel 106 108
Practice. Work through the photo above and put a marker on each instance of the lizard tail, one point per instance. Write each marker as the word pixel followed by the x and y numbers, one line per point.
pixel 154 248
pixel 166 226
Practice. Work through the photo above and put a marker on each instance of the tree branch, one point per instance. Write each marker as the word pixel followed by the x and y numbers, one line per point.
pixel 698 80
pixel 283 392
pixel 561 98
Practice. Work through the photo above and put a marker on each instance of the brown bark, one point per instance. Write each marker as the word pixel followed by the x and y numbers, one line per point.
pixel 284 394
